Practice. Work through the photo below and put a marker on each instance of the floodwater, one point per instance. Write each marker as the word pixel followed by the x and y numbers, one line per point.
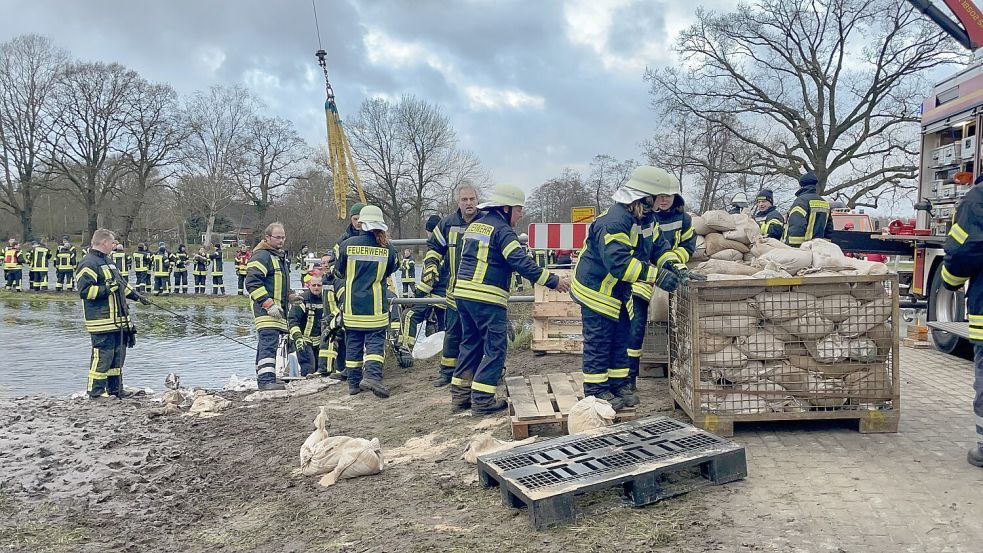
pixel 44 348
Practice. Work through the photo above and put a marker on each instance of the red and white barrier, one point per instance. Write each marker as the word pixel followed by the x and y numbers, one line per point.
pixel 557 236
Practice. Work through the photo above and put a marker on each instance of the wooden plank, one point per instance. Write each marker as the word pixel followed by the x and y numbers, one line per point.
pixel 578 384
pixel 563 392
pixel 553 345
pixel 541 395
pixel 561 309
pixel 521 398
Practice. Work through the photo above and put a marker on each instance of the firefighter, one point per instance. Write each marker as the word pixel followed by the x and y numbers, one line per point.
pixel 199 269
pixel 490 252
pixel 332 332
pixel 241 260
pixel 179 263
pixel 141 267
pixel 420 314
pixel 301 261
pixel 304 322
pixel 13 257
pixel 810 216
pixel 268 284
pixel 407 273
pixel 40 259
pixel 365 262
pixel 66 259
pixel 104 295
pixel 218 282
pixel 542 257
pixel 122 262
pixel 768 217
pixel 443 252
pixel 353 226
pixel 737 203
pixel 160 264
pixel 613 258
pixel 964 262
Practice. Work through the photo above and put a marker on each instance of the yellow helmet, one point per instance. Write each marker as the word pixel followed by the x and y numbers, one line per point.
pixel 653 181
pixel 505 195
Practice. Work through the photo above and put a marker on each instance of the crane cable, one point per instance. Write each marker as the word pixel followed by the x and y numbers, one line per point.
pixel 343 169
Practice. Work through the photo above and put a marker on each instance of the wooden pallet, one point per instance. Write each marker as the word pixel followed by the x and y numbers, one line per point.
pixel 546 400
pixel 651 459
pixel 916 344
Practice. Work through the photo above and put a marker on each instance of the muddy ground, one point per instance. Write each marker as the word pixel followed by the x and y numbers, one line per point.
pixel 82 477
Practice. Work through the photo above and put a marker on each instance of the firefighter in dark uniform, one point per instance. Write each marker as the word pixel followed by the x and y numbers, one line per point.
pixel 490 252
pixel 301 261
pixel 964 262
pixel 179 262
pixel 160 266
pixel 40 259
pixel 737 203
pixel 366 261
pixel 199 269
pixel 607 267
pixel 66 258
pixel 218 276
pixel 810 215
pixel 407 273
pixel 241 260
pixel 141 266
pixel 268 284
pixel 122 261
pixel 332 331
pixel 769 219
pixel 353 227
pixel 420 314
pixel 13 257
pixel 443 251
pixel 542 257
pixel 107 320
pixel 304 322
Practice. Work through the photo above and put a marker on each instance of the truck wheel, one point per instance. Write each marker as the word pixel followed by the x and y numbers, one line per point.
pixel 947 306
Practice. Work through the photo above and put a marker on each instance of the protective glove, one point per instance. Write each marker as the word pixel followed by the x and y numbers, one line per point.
pixel 667 278
pixel 143 299
pixel 685 274
pixel 273 309
pixel 299 343
pixel 113 287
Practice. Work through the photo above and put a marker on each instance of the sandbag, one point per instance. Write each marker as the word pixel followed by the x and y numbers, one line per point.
pixel 838 307
pixel 784 306
pixel 809 326
pixel 729 325
pixel 748 258
pixel 752 372
pixel 747 225
pixel 823 290
pixel 325 455
pixel 728 357
pixel 779 332
pixel 710 343
pixel 719 220
pixel 483 444
pixel 764 245
pixel 791 260
pixel 870 314
pixel 700 226
pixel 700 252
pixel 792 378
pixel 827 255
pixel 717 243
pixel 724 267
pixel 209 404
pixel 862 349
pixel 827 370
pixel 742 404
pixel 869 291
pixel 795 347
pixel 761 346
pixel 728 255
pixel 588 414
pixel 320 434
pixel 873 383
pixel 359 457
pixel 718 308
pixel 883 336
pixel 831 349
pixel 827 386
pixel 776 396
pixel 659 306
pixel 729 293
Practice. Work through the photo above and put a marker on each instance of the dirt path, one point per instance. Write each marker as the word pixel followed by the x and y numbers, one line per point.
pixel 82 477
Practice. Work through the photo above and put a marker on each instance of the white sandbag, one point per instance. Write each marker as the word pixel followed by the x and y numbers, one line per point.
pixel 871 314
pixel 838 307
pixel 588 414
pixel 862 349
pixel 700 226
pixel 742 404
pixel 728 357
pixel 729 293
pixel 883 336
pixel 325 455
pixel 320 433
pixel 746 231
pixel 710 343
pixel 795 347
pixel 791 260
pixel 784 306
pixel 359 457
pixel 776 396
pixel 825 370
pixel 827 255
pixel 425 346
pixel 659 306
pixel 719 220
pixel 724 267
pixel 810 326
pixel 752 372
pixel 831 349
pixel 771 273
pixel 874 384
pixel 762 346
pixel 779 332
pixel 483 444
pixel 748 258
pixel 764 245
pixel 823 290
pixel 868 291
pixel 717 243
pixel 209 404
pixel 827 386
pixel 729 325
pixel 792 378
pixel 718 308
pixel 700 252
pixel 728 255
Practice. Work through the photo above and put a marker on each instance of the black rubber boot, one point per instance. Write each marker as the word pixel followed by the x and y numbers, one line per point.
pixel 458 407
pixel 627 395
pixel 489 408
pixel 374 386
pixel 616 402
pixel 339 375
pixel 441 381
pixel 354 390
pixel 975 457
pixel 270 385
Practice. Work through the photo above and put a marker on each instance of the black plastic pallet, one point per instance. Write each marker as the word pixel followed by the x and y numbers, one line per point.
pixel 652 458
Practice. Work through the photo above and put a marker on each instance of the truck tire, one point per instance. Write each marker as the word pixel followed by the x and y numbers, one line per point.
pixel 945 305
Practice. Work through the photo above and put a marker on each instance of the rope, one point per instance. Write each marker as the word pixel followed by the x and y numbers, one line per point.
pixel 199 325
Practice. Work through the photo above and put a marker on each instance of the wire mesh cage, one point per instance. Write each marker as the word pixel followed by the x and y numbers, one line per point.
pixel 792 348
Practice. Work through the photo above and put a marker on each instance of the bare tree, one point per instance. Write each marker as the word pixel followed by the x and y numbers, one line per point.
pixel 552 201
pixel 607 174
pixel 29 69
pixel 153 137
pixel 270 158
pixel 822 85
pixel 95 108
pixel 218 122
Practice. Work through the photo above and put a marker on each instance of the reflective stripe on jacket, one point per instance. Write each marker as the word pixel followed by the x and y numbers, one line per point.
pixel 363 266
pixel 101 305
pixel 267 276
pixel 964 257
pixel 443 253
pixel 771 223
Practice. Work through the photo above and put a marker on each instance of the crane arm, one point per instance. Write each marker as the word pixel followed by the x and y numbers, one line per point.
pixel 967 30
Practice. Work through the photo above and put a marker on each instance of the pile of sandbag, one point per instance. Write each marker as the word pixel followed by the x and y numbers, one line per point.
pixel 338 457
pixel 721 235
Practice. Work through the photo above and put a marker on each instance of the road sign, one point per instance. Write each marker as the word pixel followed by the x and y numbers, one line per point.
pixel 582 214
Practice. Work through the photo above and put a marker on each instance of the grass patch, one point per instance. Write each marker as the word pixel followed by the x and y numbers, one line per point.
pixel 38 534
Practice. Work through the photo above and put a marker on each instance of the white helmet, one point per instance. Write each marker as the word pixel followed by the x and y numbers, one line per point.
pixel 505 195
pixel 739 199
pixel 371 218
pixel 653 181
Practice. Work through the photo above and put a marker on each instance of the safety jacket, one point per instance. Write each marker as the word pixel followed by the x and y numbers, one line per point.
pixel 199 265
pixel 40 256
pixel 490 253
pixel 609 264
pixel 677 227
pixel 444 249
pixel 141 261
pixel 161 263
pixel 407 270
pixel 542 257
pixel 810 214
pixel 122 262
pixel 180 261
pixel 67 258
pixel 242 258
pixel 103 294
pixel 363 266
pixel 771 222
pixel 964 257
pixel 216 259
pixel 267 276
pixel 12 258
pixel 304 319
pixel 301 261
pixel 349 232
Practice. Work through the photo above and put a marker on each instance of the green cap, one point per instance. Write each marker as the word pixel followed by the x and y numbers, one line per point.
pixel 356 209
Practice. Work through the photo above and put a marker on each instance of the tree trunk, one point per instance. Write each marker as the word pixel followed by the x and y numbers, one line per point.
pixel 124 235
pixel 208 229
pixel 93 223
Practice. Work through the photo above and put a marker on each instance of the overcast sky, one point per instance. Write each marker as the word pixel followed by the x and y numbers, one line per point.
pixel 531 86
